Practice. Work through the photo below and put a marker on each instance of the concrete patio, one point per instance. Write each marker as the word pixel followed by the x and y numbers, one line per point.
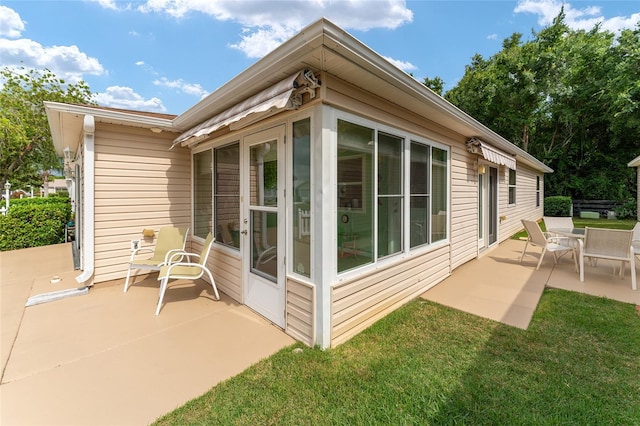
pixel 105 358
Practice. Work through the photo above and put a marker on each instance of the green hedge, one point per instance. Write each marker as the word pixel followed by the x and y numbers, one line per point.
pixel 34 222
pixel 558 206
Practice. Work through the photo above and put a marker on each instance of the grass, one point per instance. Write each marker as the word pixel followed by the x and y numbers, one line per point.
pixel 593 223
pixel 577 363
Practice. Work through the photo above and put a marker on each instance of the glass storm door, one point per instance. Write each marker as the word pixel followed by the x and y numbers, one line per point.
pixel 263 224
pixel 487 206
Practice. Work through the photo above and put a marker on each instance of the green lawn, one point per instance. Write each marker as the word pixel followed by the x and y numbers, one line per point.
pixel 578 363
pixel 593 223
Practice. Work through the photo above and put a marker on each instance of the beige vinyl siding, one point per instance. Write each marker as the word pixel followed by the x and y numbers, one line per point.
pixel 357 304
pixel 525 206
pixel 225 267
pixel 300 302
pixel 369 105
pixel 464 206
pixel 139 184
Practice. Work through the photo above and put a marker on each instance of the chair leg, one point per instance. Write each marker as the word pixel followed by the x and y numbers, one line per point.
pixel 213 284
pixel 633 272
pixel 524 251
pixel 163 288
pixel 126 283
pixel 544 250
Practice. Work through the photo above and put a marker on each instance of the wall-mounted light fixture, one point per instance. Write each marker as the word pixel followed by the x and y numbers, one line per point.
pixel 482 169
pixel 69 166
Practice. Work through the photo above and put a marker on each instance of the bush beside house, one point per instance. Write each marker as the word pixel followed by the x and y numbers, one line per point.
pixel 34 222
pixel 558 206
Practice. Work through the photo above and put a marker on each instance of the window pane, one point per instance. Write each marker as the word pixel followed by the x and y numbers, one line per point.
pixel 419 225
pixel 202 201
pixel 389 194
pixel 263 171
pixel 302 230
pixel 439 195
pixel 355 195
pixel 227 195
pixel 389 225
pixel 389 165
pixel 419 187
pixel 419 168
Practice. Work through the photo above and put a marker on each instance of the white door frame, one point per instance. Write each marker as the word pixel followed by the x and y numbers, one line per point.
pixel 263 252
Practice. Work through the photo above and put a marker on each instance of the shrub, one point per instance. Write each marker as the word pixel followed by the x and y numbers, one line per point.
pixel 34 222
pixel 628 210
pixel 558 206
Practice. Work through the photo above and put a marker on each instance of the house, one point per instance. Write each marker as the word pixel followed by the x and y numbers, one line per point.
pixel 636 163
pixel 338 186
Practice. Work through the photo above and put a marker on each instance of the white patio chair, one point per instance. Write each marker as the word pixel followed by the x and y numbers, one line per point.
pixel 547 242
pixel 190 270
pixel 558 222
pixel 610 244
pixel 635 242
pixel 170 240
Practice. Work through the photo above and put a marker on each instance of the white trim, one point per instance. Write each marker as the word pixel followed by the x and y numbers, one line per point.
pixel 88 202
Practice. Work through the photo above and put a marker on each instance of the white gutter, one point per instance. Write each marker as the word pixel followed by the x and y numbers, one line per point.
pixel 88 201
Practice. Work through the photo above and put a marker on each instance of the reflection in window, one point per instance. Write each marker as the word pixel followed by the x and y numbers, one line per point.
pixel 439 194
pixel 419 194
pixel 202 201
pixel 302 234
pixel 355 195
pixel 227 195
pixel 389 195
pixel 427 193
pixel 512 186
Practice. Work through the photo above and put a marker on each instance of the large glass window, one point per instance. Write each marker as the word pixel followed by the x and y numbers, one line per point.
pixel 359 148
pixel 227 195
pixel 202 201
pixel 355 195
pixel 302 230
pixel 390 212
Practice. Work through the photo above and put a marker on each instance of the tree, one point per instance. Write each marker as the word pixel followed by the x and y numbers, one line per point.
pixel 26 149
pixel 569 97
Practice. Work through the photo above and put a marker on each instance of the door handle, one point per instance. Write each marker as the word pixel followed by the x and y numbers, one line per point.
pixel 244 232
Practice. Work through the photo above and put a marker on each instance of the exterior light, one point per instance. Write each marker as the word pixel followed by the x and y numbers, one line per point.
pixel 7 186
pixel 68 155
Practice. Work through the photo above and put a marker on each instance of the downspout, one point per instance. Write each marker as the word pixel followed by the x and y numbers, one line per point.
pixel 88 204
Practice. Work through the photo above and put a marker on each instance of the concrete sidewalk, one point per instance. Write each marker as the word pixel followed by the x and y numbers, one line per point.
pixel 497 286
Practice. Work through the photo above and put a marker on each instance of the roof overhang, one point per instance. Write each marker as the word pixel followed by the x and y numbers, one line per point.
pixel 635 162
pixel 323 46
pixel 67 121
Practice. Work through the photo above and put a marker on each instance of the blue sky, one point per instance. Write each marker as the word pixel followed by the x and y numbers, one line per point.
pixel 165 55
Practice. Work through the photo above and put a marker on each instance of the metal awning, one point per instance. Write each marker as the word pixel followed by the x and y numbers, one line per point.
pixel 283 95
pixel 491 153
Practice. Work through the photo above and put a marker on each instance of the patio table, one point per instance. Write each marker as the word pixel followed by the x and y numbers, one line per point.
pixel 568 232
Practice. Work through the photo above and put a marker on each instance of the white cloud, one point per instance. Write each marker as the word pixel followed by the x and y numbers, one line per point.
pixel 492 37
pixel 266 24
pixel 403 65
pixel 577 19
pixel 66 62
pixel 182 86
pixel 126 98
pixel 11 25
